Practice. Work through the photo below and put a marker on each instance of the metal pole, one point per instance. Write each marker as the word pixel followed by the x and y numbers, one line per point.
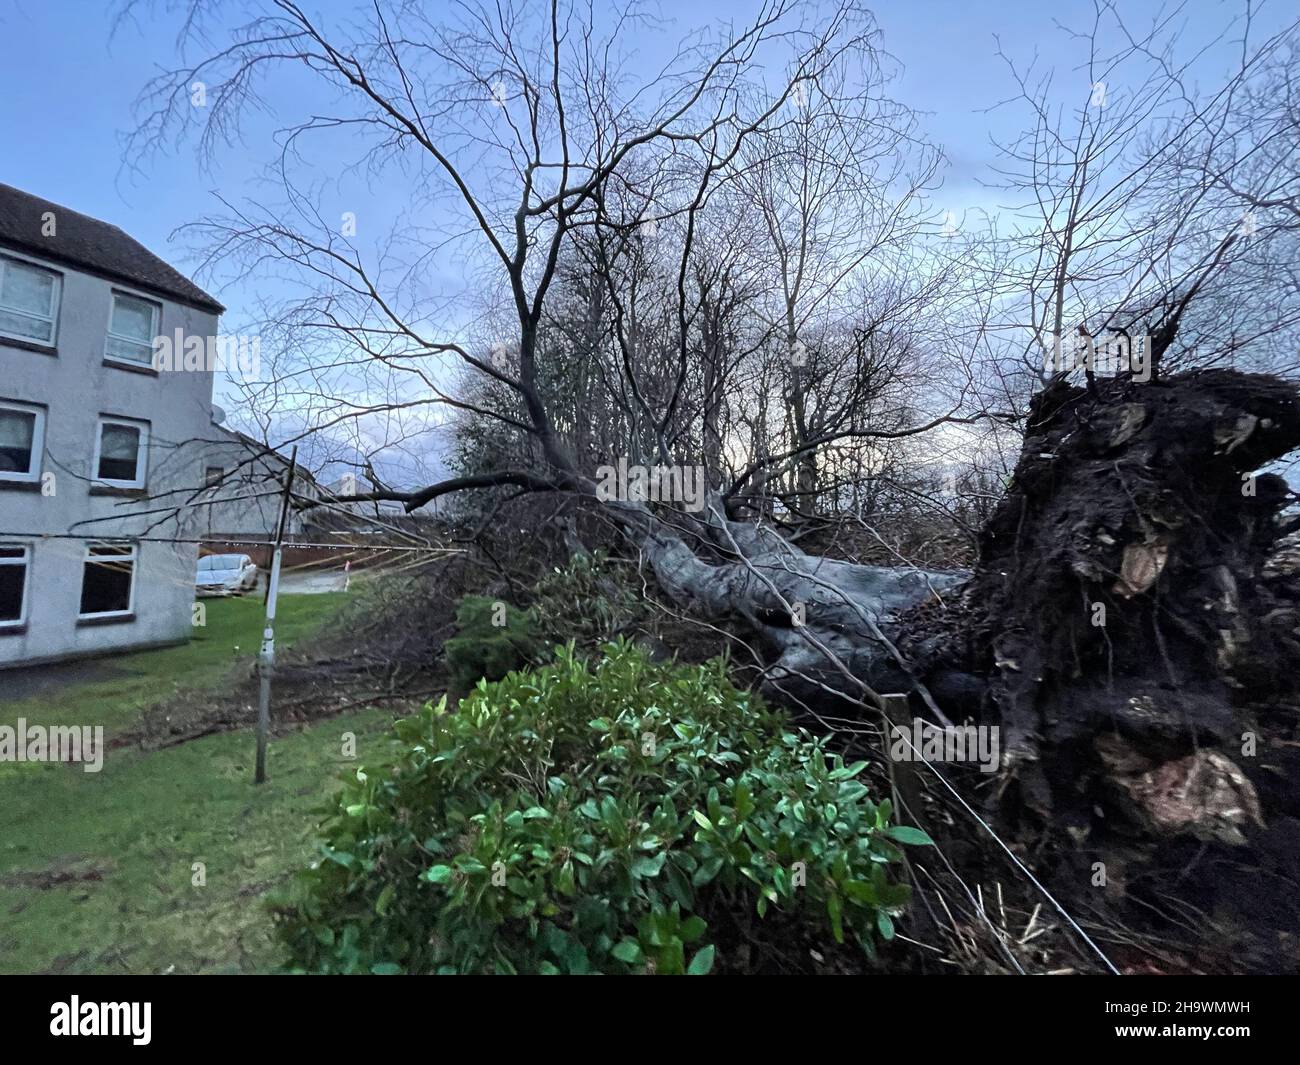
pixel 266 659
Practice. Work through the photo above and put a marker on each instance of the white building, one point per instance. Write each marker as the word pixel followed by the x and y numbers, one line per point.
pixel 99 450
pixel 243 489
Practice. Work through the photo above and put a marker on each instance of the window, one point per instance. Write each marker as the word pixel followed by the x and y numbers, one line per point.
pixel 212 476
pixel 22 438
pixel 13 584
pixel 29 301
pixel 121 452
pixel 131 329
pixel 108 580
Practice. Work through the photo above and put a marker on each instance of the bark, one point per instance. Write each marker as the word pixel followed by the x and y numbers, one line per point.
pixel 823 623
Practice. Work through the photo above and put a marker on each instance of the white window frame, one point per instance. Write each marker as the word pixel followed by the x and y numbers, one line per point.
pixel 26 563
pixel 33 474
pixel 142 452
pixel 56 301
pixel 156 308
pixel 133 554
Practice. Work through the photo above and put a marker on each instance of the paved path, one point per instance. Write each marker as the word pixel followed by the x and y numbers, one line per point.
pixel 308 582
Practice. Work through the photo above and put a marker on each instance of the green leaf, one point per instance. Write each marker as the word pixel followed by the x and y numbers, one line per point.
pixel 577 960
pixel 847 772
pixel 909 835
pixel 708 869
pixel 628 951
pixel 744 802
pixel 678 887
pixel 693 928
pixel 834 910
pixel 609 812
pixel 860 891
pixel 340 857
pixel 672 958
pixel 386 968
pixel 702 962
pixel 648 866
pixel 438 874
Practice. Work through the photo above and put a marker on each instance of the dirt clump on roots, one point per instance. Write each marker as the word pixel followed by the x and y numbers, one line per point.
pixel 1134 630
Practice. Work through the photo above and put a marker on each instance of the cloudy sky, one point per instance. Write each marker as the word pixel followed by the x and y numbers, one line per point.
pixel 73 71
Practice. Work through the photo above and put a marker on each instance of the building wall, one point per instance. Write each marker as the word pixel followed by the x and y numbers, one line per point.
pixel 245 505
pixel 75 385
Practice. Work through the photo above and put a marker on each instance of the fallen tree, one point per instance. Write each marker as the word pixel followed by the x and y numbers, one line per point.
pixel 1114 624
pixel 1121 628
pixel 733 265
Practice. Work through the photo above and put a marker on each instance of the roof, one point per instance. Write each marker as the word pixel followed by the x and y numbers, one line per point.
pixel 265 451
pixel 94 246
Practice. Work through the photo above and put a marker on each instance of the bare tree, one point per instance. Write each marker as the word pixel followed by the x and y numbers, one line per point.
pixel 594 213
pixel 1129 223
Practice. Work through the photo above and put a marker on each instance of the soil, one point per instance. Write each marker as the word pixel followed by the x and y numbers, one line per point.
pixel 1127 630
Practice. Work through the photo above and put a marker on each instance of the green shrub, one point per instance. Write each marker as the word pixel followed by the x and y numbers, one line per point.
pixel 615 816
pixel 492 639
pixel 589 602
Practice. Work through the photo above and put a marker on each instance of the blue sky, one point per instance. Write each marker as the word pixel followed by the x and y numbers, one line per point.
pixel 68 90
pixel 69 81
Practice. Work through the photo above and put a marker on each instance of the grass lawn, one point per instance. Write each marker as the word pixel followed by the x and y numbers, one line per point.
pixel 97 869
pixel 116 688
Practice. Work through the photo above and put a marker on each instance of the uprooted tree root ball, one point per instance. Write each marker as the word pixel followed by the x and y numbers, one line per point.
pixel 1124 627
